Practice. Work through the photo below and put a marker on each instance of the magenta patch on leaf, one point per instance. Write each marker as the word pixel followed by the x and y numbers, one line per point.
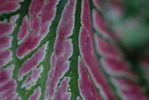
pixel 30 43
pixel 62 50
pixel 7 86
pixel 36 94
pixel 7 95
pixel 5 57
pixel 9 5
pixel 24 30
pixel 32 62
pixel 33 11
pixel 129 90
pixel 87 88
pixel 5 28
pixel 66 23
pixel 48 11
pixel 62 91
pixel 5 42
pixel 4 76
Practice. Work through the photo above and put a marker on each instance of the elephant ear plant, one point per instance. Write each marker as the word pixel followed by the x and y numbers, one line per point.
pixel 74 50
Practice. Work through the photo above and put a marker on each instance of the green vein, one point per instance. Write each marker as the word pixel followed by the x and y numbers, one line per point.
pixel 73 69
pixel 51 39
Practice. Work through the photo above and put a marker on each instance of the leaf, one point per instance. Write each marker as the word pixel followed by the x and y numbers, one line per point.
pixel 63 50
